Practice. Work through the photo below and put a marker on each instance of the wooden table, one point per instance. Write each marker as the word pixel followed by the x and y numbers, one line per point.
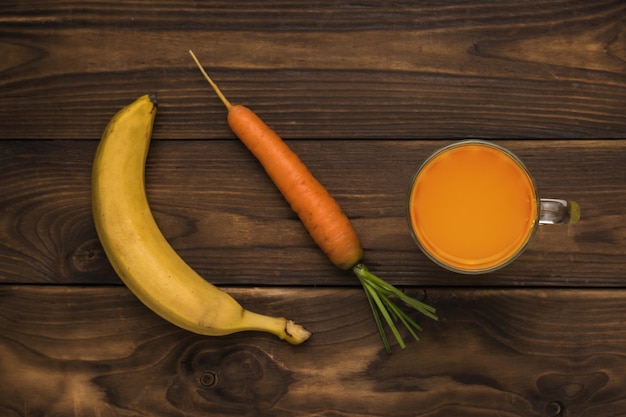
pixel 364 92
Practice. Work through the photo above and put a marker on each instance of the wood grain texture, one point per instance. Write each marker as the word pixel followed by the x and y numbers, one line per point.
pixel 233 226
pixel 364 92
pixel 320 69
pixel 98 351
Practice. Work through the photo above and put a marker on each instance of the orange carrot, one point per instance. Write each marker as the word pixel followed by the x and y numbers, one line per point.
pixel 317 209
pixel 319 212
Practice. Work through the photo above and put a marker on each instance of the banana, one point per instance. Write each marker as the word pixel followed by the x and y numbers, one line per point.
pixel 137 249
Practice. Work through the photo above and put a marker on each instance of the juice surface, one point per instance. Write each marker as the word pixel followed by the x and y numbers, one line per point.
pixel 473 207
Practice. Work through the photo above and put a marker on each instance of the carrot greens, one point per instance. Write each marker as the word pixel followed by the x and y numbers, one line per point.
pixel 381 295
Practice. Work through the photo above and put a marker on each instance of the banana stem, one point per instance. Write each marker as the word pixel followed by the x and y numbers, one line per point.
pixel 285 329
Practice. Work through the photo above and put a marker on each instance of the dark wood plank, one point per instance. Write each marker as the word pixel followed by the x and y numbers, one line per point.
pixel 98 351
pixel 320 69
pixel 220 211
pixel 363 92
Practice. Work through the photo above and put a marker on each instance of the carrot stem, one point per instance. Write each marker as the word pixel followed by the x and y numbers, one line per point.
pixel 379 301
pixel 213 85
pixel 381 295
pixel 377 319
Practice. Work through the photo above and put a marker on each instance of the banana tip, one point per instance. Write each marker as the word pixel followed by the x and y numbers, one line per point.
pixel 153 98
pixel 296 334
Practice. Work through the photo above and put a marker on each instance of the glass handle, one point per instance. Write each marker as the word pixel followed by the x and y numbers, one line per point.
pixel 554 211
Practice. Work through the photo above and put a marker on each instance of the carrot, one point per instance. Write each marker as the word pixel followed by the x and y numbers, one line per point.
pixel 317 209
pixel 319 212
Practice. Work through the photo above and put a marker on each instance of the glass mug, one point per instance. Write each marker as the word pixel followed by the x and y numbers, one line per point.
pixel 472 207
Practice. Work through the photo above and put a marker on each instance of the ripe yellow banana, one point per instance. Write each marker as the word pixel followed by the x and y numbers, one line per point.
pixel 139 252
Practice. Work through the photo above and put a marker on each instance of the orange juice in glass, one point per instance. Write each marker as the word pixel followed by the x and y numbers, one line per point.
pixel 473 207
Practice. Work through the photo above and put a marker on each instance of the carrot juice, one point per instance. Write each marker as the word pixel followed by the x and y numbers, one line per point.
pixel 472 207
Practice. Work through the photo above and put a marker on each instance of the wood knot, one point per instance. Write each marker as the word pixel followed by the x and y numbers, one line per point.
pixel 234 378
pixel 208 379
pixel 555 409
pixel 88 257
